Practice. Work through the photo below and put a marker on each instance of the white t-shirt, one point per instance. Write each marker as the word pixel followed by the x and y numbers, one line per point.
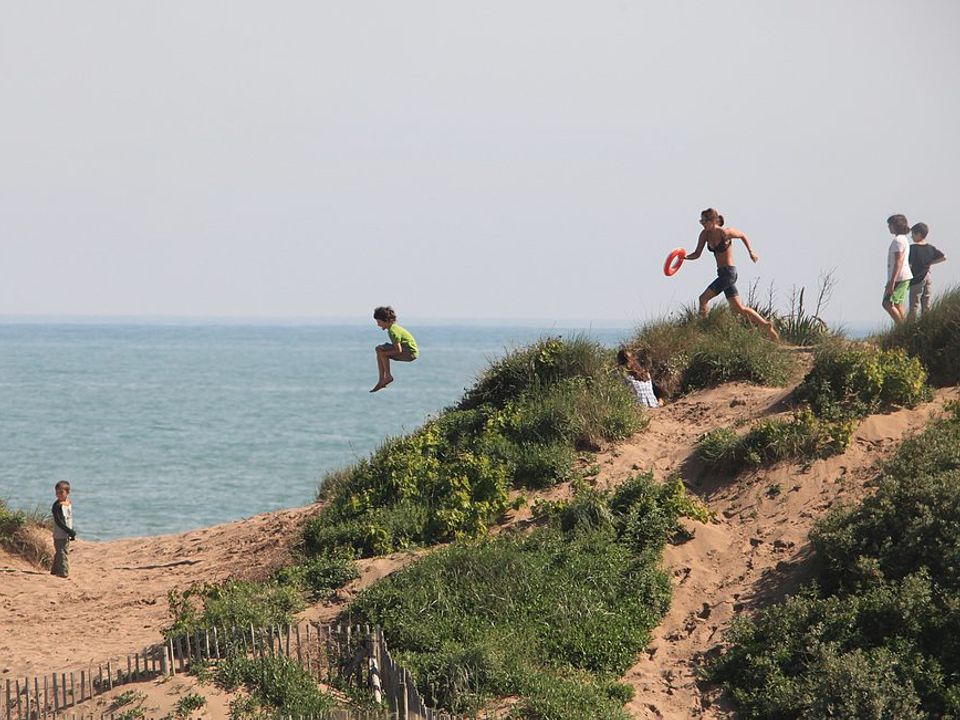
pixel 899 245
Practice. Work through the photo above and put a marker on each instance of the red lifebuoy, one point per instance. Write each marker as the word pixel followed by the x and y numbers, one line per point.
pixel 674 261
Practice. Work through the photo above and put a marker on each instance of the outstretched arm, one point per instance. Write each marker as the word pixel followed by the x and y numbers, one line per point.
pixel 696 253
pixel 734 233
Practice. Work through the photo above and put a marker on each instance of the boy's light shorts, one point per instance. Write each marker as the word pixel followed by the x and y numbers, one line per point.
pixel 899 294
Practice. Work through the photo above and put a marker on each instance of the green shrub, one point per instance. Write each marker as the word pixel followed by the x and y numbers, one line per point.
pixel 278 682
pixel 491 619
pixel 721 448
pixel 858 379
pixel 552 617
pixel 540 466
pixel 10 521
pixel 934 338
pixel 321 574
pixel 879 635
pixel 691 353
pixel 799 437
pixel 736 353
pixel 535 368
pixel 450 479
pixel 189 703
pixel 233 603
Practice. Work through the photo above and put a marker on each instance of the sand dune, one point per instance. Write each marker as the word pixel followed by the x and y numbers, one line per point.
pixel 754 552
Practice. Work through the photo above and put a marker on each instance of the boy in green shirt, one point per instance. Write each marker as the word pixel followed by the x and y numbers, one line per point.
pixel 401 347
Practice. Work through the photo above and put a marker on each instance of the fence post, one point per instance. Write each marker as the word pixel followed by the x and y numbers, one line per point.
pixel 403 709
pixel 374 667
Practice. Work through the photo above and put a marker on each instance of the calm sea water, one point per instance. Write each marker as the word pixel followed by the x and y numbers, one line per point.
pixel 165 428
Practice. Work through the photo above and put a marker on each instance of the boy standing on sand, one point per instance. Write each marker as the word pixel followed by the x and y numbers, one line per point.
pixel 401 347
pixel 922 256
pixel 63 532
pixel 898 268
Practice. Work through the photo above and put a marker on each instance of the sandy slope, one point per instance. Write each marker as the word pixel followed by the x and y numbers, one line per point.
pixel 755 551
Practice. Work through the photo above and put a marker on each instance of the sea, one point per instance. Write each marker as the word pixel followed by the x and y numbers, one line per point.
pixel 163 427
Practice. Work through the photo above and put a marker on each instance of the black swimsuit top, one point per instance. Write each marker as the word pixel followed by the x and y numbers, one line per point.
pixel 720 247
pixel 724 242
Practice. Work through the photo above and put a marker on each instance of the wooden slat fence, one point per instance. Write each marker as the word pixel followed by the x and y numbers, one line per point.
pixel 49 696
pixel 336 655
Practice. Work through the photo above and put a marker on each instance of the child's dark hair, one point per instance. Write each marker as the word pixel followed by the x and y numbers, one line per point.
pixel 711 214
pixel 899 224
pixel 63 484
pixel 624 356
pixel 920 230
pixel 385 313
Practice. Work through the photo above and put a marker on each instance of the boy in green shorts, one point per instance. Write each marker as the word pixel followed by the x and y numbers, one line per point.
pixel 401 347
pixel 898 268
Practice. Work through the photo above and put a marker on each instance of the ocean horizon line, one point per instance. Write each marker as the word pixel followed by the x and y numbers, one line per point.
pixel 307 320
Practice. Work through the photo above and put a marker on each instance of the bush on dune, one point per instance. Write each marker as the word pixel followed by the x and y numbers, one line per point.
pixel 934 338
pixel 25 534
pixel 802 436
pixel 690 352
pixel 553 617
pixel 851 379
pixel 878 636
pixel 520 426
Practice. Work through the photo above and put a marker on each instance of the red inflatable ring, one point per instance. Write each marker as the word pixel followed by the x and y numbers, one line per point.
pixel 674 261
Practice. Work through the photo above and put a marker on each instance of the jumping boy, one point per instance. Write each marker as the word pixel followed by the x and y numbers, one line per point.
pixel 922 256
pixel 401 347
pixel 63 532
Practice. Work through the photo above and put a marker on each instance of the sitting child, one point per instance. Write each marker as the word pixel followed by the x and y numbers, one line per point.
pixel 637 379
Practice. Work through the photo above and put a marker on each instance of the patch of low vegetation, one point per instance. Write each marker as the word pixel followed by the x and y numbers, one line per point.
pixel 878 634
pixel 188 705
pixel 320 575
pixel 802 436
pixel 552 617
pixel 521 425
pixel 688 352
pixel 848 381
pixel 278 687
pixel 933 337
pixel 19 534
pixel 853 379
pixel 234 603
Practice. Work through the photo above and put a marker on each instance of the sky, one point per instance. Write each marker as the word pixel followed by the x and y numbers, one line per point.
pixel 465 160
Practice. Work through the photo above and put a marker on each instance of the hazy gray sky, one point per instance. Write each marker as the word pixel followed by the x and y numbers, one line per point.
pixel 464 159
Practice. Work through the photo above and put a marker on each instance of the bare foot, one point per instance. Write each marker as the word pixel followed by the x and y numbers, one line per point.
pixel 382 383
pixel 772 332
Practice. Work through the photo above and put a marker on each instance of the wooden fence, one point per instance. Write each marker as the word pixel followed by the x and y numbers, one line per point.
pixel 335 655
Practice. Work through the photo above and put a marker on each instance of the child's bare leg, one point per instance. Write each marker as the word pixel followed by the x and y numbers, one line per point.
pixel 383 370
pixel 893 311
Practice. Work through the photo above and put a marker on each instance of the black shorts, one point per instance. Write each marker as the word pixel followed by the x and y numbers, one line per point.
pixel 726 282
